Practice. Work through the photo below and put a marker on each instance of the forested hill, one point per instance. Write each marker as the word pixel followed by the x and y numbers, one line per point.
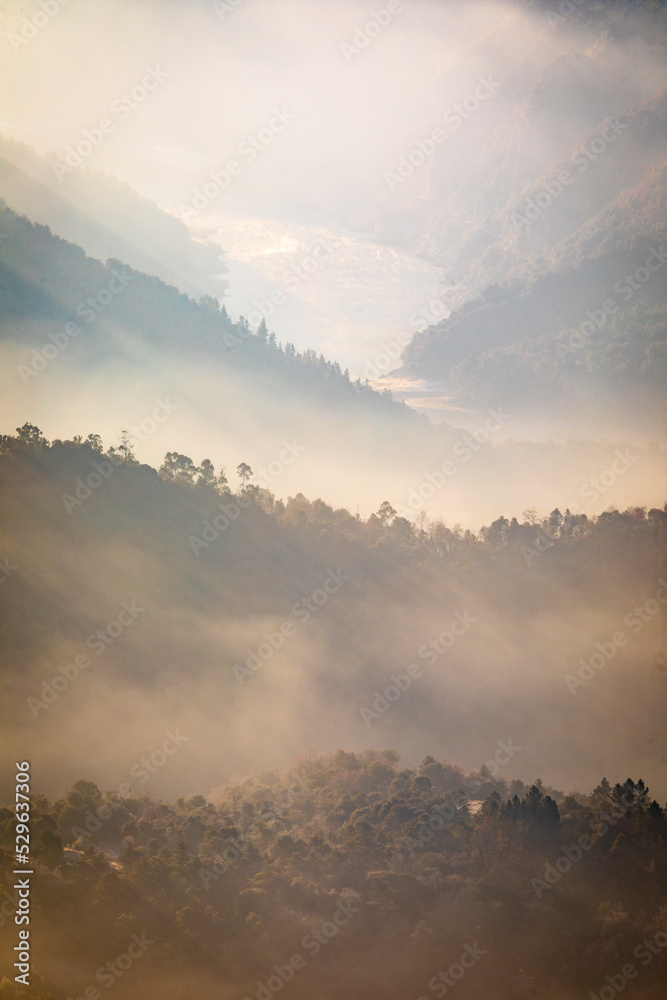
pixel 347 877
pixel 580 91
pixel 597 327
pixel 545 206
pixel 117 312
pixel 284 622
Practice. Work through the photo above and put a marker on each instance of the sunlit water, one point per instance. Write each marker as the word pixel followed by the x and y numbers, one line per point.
pixel 334 292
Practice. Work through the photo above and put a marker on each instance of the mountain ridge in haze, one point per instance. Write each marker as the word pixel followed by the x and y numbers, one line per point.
pixel 108 219
pixel 216 572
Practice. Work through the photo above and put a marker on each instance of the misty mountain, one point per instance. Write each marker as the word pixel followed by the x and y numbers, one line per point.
pixel 526 218
pixel 265 626
pixel 538 206
pixel 347 876
pixel 108 219
pixel 569 105
pixel 51 289
pixel 591 333
pixel 76 332
pixel 316 686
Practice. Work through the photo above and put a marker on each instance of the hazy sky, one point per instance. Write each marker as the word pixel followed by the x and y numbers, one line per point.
pixel 356 110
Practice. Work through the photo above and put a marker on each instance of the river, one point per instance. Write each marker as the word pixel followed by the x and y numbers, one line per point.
pixel 336 292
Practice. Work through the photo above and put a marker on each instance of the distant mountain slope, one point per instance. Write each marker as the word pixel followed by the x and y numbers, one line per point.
pixel 46 282
pixel 573 102
pixel 621 154
pixel 553 214
pixel 598 326
pixel 522 196
pixel 537 205
pixel 637 210
pixel 109 220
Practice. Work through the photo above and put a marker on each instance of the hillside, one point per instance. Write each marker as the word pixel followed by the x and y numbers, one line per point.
pixel 346 876
pixel 109 220
pixel 567 99
pixel 316 686
pixel 47 283
pixel 237 640
pixel 539 206
pixel 596 327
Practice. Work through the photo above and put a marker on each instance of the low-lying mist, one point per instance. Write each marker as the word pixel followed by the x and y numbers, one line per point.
pixel 259 633
pixel 347 457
